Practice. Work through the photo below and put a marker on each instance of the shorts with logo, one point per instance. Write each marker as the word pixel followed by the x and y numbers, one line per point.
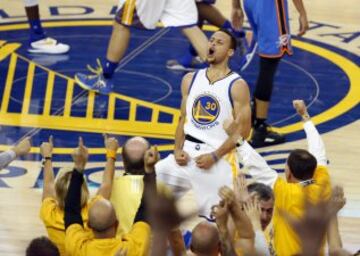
pixel 147 13
pixel 204 183
pixel 270 24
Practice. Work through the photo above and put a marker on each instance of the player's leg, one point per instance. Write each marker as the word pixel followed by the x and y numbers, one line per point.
pixel 183 14
pixel 262 133
pixel 206 184
pixel 173 176
pixel 39 42
pixel 272 38
pixel 140 13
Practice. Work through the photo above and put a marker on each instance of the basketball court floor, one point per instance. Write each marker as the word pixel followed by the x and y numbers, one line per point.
pixel 39 98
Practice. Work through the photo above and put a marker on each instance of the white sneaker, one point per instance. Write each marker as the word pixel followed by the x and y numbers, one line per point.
pixel 49 46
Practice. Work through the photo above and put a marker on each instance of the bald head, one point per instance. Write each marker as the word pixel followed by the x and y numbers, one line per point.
pixel 133 155
pixel 102 216
pixel 205 239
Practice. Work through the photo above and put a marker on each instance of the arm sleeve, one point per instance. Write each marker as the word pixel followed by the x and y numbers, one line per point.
pixel 6 158
pixel 73 200
pixel 261 245
pixel 149 188
pixel 256 164
pixel 315 143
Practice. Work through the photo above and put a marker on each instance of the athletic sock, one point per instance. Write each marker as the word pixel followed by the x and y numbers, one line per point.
pixel 109 68
pixel 36 31
pixel 259 122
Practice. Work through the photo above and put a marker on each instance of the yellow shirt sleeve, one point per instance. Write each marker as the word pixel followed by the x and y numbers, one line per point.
pixel 48 210
pixel 75 239
pixel 138 239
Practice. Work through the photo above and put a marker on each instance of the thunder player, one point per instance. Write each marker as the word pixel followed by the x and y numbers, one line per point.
pixel 270 24
pixel 202 147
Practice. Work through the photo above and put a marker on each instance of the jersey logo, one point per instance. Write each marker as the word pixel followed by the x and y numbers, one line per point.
pixel 205 109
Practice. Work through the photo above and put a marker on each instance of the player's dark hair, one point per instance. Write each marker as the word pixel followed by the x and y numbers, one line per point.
pixel 42 246
pixel 263 191
pixel 233 42
pixel 302 164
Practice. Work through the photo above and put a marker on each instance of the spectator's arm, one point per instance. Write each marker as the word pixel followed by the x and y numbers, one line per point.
pixel 256 164
pixel 46 149
pixel 315 143
pixel 176 242
pixel 6 158
pixel 150 159
pixel 112 146
pixel 73 200
pixel 73 197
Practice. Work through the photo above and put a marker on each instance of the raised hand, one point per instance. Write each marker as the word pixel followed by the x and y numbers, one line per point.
pixel 240 188
pixel 151 157
pixel 111 143
pixel 221 214
pixel 46 148
pixel 23 147
pixel 253 211
pixel 80 155
pixel 227 194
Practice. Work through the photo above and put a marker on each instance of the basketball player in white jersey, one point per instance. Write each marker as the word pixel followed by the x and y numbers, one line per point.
pixel 209 96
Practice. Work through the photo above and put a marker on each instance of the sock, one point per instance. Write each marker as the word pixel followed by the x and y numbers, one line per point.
pixel 258 122
pixel 109 68
pixel 36 30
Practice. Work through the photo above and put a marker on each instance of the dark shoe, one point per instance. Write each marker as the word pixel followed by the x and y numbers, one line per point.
pixel 264 136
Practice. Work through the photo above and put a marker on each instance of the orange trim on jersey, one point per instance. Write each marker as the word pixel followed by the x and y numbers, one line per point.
pixel 284 17
pixel 128 14
pixel 282 20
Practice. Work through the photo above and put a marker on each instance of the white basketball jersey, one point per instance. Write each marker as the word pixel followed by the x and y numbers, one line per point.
pixel 208 106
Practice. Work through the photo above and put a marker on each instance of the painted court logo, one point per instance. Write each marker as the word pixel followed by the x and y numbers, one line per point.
pixel 205 109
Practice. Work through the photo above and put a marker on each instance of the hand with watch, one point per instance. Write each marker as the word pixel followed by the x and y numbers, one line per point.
pixel 46 150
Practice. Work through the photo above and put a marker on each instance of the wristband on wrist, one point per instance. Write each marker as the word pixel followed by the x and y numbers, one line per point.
pixel 305 117
pixel 214 156
pixel 46 158
pixel 111 154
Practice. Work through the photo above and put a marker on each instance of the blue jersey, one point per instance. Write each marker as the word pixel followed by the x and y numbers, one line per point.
pixel 270 24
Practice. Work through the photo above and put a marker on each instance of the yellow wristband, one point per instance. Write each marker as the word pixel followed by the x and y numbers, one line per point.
pixel 111 154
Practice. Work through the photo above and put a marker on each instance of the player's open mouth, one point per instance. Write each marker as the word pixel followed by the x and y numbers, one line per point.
pixel 211 51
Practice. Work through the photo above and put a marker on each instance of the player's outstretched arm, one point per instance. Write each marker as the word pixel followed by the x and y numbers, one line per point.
pixel 46 150
pixel 111 146
pixel 181 156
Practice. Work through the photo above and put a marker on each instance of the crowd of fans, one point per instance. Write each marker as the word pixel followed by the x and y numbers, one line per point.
pixel 271 215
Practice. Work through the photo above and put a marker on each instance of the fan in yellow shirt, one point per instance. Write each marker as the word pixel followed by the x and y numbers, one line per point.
pixel 102 217
pixel 54 192
pixel 306 173
pixel 128 189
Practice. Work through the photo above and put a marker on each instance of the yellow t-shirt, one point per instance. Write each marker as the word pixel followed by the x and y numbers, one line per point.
pixel 79 243
pixel 53 218
pixel 290 197
pixel 126 196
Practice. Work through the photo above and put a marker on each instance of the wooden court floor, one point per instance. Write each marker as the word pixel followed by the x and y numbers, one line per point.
pixel 334 26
